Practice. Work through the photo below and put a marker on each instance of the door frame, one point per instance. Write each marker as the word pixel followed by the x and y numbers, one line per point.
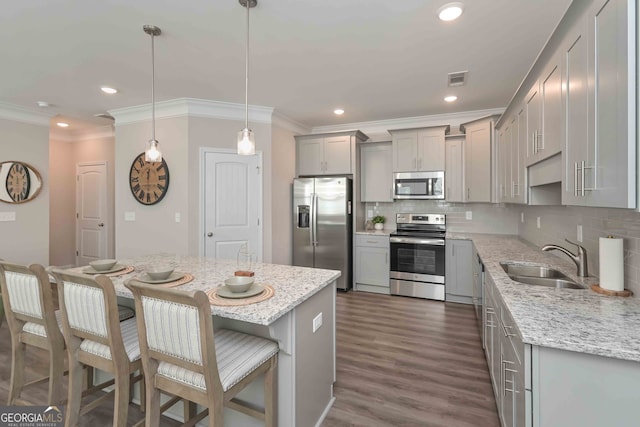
pixel 108 223
pixel 201 232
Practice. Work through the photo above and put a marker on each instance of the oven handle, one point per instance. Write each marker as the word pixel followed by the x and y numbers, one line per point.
pixel 434 242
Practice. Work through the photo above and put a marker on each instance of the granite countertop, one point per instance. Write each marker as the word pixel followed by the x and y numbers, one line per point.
pixel 567 319
pixel 292 285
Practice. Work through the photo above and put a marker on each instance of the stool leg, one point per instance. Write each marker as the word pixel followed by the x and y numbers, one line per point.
pixel 75 390
pixel 152 414
pixel 271 394
pixel 56 371
pixel 17 369
pixel 121 403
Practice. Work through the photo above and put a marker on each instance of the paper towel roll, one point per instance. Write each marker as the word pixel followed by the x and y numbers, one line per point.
pixel 611 264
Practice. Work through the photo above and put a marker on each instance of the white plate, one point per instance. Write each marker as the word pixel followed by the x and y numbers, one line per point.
pixel 225 292
pixel 144 278
pixel 115 268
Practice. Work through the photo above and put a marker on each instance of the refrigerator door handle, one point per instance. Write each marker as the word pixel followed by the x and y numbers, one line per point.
pixel 314 221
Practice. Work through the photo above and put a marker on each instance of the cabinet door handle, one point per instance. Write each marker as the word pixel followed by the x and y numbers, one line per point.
pixel 505 330
pixel 453 250
pixel 575 179
pixel 468 192
pixel 582 167
pixel 386 258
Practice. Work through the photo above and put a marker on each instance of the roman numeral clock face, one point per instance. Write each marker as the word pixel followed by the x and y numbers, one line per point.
pixel 148 181
pixel 18 182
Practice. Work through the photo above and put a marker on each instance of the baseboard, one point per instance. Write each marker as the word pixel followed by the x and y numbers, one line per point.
pixel 326 411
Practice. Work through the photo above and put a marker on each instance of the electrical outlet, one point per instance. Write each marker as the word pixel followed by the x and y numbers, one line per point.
pixel 538 222
pixel 369 213
pixel 317 322
pixel 129 216
pixel 469 215
pixel 178 217
pixel 579 233
pixel 522 217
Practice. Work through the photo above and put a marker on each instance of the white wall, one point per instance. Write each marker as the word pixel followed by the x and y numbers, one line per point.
pixel 284 171
pixel 154 229
pixel 62 232
pixel 26 240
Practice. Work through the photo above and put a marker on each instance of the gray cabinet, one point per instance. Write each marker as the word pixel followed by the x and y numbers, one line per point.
pixel 324 155
pixel 419 149
pixel 601 150
pixel 477 170
pixel 372 263
pixel 459 271
pixel 376 176
pixel 454 168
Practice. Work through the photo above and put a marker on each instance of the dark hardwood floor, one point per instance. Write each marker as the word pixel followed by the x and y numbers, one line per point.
pixel 400 362
pixel 409 362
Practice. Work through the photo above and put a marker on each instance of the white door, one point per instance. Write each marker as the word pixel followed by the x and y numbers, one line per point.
pixel 232 203
pixel 92 213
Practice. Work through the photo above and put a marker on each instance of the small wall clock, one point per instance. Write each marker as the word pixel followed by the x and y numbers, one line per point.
pixel 149 181
pixel 18 182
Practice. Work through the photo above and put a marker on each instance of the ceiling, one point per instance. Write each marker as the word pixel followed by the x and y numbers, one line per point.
pixel 377 59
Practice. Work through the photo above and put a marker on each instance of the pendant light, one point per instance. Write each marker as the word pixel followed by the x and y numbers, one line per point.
pixel 152 153
pixel 246 141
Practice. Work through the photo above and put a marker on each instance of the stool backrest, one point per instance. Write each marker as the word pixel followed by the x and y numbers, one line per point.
pixel 176 327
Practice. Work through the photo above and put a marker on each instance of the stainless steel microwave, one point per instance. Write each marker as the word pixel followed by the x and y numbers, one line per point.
pixel 418 185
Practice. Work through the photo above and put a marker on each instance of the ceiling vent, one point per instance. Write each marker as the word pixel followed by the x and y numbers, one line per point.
pixel 457 79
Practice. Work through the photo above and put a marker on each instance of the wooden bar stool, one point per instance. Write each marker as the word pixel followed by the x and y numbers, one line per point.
pixel 32 320
pixel 95 337
pixel 182 356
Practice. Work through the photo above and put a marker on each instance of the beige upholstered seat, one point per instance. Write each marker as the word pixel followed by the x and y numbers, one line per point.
pixel 182 356
pixel 95 337
pixel 32 320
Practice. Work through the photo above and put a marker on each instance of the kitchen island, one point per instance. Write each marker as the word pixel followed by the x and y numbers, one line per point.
pixel 306 361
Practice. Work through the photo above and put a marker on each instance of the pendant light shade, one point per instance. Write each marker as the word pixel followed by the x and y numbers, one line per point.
pixel 152 152
pixel 246 140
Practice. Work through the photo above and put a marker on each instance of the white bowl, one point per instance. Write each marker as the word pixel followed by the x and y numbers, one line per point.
pixel 239 283
pixel 159 273
pixel 103 264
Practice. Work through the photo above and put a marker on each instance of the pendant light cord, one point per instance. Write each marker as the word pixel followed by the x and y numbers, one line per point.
pixel 246 74
pixel 153 86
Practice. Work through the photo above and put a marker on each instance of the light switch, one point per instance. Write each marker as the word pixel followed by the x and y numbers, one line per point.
pixel 522 217
pixel 469 215
pixel 178 217
pixel 538 222
pixel 579 233
pixel 7 216
pixel 129 216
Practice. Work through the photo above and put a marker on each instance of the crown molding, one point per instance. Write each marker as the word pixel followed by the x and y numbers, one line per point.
pixel 280 120
pixel 192 107
pixel 99 132
pixel 25 115
pixel 378 130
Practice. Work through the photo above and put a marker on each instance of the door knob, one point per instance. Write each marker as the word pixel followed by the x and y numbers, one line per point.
pixel 209 234
pixel 101 225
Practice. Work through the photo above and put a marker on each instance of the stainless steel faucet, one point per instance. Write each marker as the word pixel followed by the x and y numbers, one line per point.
pixel 580 259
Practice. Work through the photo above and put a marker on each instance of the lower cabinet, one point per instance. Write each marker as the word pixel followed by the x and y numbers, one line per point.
pixel 372 263
pixel 458 271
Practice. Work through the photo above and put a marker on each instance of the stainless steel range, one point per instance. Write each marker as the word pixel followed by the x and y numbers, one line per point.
pixel 417 256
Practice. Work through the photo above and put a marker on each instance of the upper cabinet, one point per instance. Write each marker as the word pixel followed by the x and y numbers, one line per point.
pixel 376 177
pixel 599 58
pixel 419 149
pixel 327 154
pixel 477 154
pixel 454 168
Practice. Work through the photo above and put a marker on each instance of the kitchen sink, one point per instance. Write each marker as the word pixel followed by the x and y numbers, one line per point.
pixel 538 275
pixel 547 281
pixel 531 271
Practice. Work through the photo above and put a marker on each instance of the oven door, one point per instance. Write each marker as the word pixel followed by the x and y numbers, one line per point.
pixel 417 259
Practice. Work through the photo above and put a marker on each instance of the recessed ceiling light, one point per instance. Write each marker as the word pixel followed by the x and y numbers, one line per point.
pixel 108 90
pixel 63 124
pixel 338 111
pixel 450 11
pixel 450 98
pixel 43 104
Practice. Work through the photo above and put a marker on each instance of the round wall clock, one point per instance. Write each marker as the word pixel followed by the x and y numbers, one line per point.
pixel 148 181
pixel 18 182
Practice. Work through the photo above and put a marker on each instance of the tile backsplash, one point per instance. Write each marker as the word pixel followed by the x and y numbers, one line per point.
pixel 485 217
pixel 560 222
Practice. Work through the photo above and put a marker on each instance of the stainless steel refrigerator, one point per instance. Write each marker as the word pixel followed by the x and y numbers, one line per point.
pixel 322 225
